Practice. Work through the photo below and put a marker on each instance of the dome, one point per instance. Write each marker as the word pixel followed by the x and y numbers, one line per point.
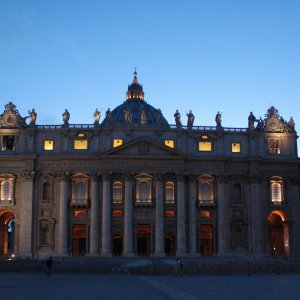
pixel 135 111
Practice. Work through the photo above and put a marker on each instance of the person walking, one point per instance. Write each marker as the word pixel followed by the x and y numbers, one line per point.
pixel 49 266
pixel 179 272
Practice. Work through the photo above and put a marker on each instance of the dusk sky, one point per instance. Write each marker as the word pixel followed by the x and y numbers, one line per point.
pixel 207 56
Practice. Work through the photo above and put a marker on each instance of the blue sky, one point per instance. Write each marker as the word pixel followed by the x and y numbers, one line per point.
pixel 208 56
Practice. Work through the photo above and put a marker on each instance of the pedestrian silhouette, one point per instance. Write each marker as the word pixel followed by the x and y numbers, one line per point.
pixel 49 266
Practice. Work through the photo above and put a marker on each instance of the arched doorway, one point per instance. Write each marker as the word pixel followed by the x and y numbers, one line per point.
pixel 278 234
pixel 117 245
pixel 170 245
pixel 7 232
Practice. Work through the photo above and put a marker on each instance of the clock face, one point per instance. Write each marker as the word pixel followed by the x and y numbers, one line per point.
pixel 9 120
pixel 272 124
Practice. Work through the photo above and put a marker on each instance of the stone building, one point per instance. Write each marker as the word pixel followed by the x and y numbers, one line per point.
pixel 134 185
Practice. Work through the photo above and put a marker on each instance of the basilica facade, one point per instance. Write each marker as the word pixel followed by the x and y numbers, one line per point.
pixel 134 185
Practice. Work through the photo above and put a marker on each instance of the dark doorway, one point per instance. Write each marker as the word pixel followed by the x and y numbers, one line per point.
pixel 117 246
pixel 170 245
pixel 206 239
pixel 143 240
pixel 79 240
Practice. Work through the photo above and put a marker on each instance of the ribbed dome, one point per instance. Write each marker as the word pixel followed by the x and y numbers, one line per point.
pixel 142 114
pixel 135 111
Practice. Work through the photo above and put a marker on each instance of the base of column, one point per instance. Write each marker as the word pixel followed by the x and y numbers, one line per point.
pixel 159 254
pixel 94 254
pixel 182 254
pixel 106 254
pixel 128 254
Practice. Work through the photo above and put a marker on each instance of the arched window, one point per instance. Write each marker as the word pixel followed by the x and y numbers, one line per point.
pixel 143 189
pixel 6 190
pixel 205 190
pixel 117 193
pixel 47 191
pixel 80 190
pixel 276 190
pixel 169 193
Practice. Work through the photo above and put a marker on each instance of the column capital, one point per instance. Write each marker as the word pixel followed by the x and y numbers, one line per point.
pixel 180 176
pixel 106 176
pixel 94 176
pixel 192 177
pixel 128 177
pixel 27 176
pixel 255 178
pixel 222 178
pixel 159 177
pixel 62 176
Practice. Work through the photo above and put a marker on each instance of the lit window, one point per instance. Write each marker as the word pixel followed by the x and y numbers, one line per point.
pixel 169 192
pixel 80 144
pixel 169 143
pixel 80 190
pixel 143 189
pixel 81 135
pixel 204 137
pixel 48 145
pixel 117 192
pixel 235 147
pixel 117 142
pixel 170 213
pixel 205 146
pixel 274 146
pixel 6 190
pixel 79 213
pixel 117 213
pixel 205 190
pixel 276 190
pixel 205 213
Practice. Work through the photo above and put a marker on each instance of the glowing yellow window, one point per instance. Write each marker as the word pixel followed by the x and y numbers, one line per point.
pixel 117 142
pixel 169 143
pixel 48 145
pixel 235 147
pixel 80 144
pixel 205 146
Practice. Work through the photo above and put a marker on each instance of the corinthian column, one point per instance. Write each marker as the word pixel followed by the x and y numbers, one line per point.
pixel 106 216
pixel 25 244
pixel 159 218
pixel 63 216
pixel 256 220
pixel 181 247
pixel 94 227
pixel 128 217
pixel 192 216
pixel 223 224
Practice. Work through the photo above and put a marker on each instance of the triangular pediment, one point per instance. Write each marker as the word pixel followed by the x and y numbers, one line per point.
pixel 144 146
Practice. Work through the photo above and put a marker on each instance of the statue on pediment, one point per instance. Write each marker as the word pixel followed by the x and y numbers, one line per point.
pixel 97 116
pixel 66 118
pixel 191 118
pixel 33 116
pixel 177 117
pixel 218 119
pixel 251 120
pixel 108 114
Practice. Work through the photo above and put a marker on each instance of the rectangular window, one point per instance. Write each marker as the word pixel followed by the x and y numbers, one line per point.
pixel 274 146
pixel 48 145
pixel 79 213
pixel 170 213
pixel 236 147
pixel 205 213
pixel 80 145
pixel 117 213
pixel 205 146
pixel 117 142
pixel 8 143
pixel 169 143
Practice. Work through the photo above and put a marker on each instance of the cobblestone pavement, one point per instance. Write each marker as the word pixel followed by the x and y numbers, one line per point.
pixel 33 286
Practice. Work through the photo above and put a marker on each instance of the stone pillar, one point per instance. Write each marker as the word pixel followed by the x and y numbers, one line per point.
pixel 181 246
pixel 106 231
pixel 223 224
pixel 63 216
pixel 257 228
pixel 294 224
pixel 26 217
pixel 127 251
pixel 94 225
pixel 159 217
pixel 192 216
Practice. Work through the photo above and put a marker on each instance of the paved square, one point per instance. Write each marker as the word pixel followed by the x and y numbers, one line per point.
pixel 14 286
